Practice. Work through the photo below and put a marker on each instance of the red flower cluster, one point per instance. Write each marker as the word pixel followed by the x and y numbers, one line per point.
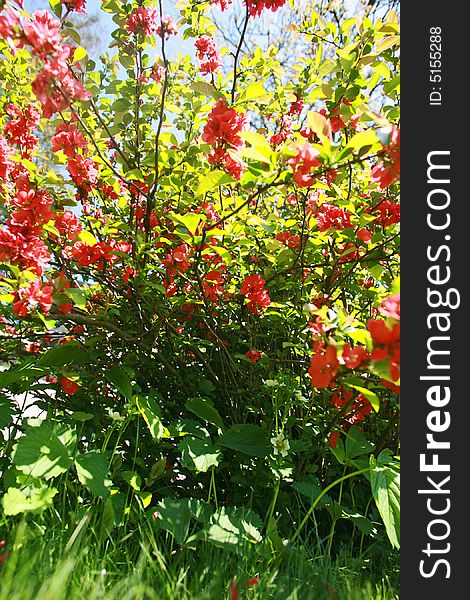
pixel 55 87
pixel 256 7
pixel 69 386
pixel 99 254
pixel 285 129
pixel 68 139
pixel 357 411
pixel 253 289
pixel 323 367
pixel 388 171
pixel 207 53
pixel 291 241
pixel 336 122
pixel 354 356
pixel 143 20
pixel 167 27
pixel 83 171
pixel 18 130
pixel 332 217
pixel 253 355
pixel 221 131
pixel 7 165
pixel 302 164
pixel 386 335
pixel 34 295
pixel 42 33
pixel 78 6
pixel 224 4
pixel 387 211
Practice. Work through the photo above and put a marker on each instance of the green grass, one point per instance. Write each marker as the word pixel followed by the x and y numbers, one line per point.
pixel 46 563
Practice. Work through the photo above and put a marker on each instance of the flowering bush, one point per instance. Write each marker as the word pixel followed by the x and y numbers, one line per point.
pixel 199 285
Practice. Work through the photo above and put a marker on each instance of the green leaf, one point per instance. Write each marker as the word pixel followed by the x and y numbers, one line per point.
pixel 17 501
pixel 385 484
pixel 252 91
pixel 150 411
pixel 92 470
pixel 120 379
pixel 356 443
pixel 112 513
pixel 206 88
pixel 250 439
pixel 212 181
pixel 310 487
pixel 71 353
pixel 77 296
pixel 41 453
pixel 198 454
pixel 79 54
pixel 190 221
pixel 174 516
pixel 205 411
pixel 362 139
pixel 234 528
pixel 369 394
pixel 6 412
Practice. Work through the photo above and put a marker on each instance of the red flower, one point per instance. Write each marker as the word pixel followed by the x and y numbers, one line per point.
pixel 381 333
pixel 144 20
pixel 83 171
pixel 253 355
pixel 302 164
pixel 31 297
pixel 252 581
pixel 68 139
pixel 390 307
pixel 332 217
pixel 207 53
pixel 333 438
pixel 253 288
pixel 256 7
pixel 42 32
pixel 388 171
pixel 353 356
pixel 323 367
pixel 364 235
pixel 69 386
pixel 223 126
pixel 234 591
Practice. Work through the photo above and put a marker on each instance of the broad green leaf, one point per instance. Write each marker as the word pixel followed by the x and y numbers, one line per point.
pixel 77 296
pixel 150 411
pixel 92 470
pixel 310 487
pixel 40 452
pixel 120 379
pixel 369 394
pixel 356 443
pixel 385 484
pixel 174 516
pixel 212 181
pixel 79 54
pixel 206 88
pixel 234 528
pixel 6 412
pixel 252 91
pixel 250 439
pixel 198 454
pixel 112 513
pixel 319 124
pixel 71 353
pixel 17 501
pixel 205 411
pixel 362 139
